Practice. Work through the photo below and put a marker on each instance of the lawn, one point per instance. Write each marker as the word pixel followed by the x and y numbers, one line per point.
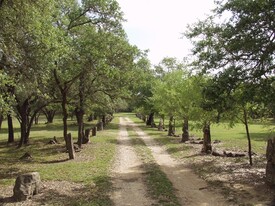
pixel 90 168
pixel 231 138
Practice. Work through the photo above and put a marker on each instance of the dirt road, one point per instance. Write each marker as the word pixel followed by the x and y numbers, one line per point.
pixel 128 182
pixel 128 174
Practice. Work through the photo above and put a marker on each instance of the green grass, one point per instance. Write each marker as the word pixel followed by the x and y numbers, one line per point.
pixel 159 186
pixel 231 138
pixel 90 167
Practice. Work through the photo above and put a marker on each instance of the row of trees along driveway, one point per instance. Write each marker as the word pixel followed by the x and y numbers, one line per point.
pixel 230 77
pixel 62 52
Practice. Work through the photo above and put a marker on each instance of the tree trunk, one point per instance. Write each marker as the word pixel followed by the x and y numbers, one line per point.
pixel 79 112
pixel 206 148
pixel 10 128
pixel 104 122
pixel 65 117
pixel 161 124
pixel 49 113
pixel 248 136
pixel 30 122
pixel 270 166
pixel 171 128
pixel 94 129
pixel 36 118
pixel 185 130
pixel 1 120
pixel 22 110
pixel 79 116
pixel 91 118
pixel 150 120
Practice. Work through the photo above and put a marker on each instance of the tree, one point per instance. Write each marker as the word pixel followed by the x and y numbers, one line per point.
pixel 142 82
pixel 107 60
pixel 25 55
pixel 97 15
pixel 240 51
pixel 165 97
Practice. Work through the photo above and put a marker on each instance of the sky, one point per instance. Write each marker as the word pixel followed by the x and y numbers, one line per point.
pixel 158 25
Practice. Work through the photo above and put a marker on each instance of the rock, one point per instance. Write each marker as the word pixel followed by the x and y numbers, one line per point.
pixel 76 148
pixel 196 141
pixel 86 138
pixel 216 141
pixel 53 141
pixel 26 186
pixel 227 154
pixel 217 154
pixel 27 156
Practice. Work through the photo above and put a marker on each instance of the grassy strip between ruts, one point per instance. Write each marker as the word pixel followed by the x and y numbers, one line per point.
pixel 87 175
pixel 160 188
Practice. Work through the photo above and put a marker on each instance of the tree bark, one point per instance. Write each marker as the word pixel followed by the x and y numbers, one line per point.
pixel 270 165
pixel 10 128
pixel 79 116
pixel 161 124
pixel 36 118
pixel 94 129
pixel 171 128
pixel 80 110
pixel 150 121
pixel 65 117
pixel 1 120
pixel 91 118
pixel 104 122
pixel 185 130
pixel 23 119
pixel 206 148
pixel 248 136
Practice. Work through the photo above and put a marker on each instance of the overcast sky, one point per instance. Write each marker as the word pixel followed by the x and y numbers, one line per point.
pixel 158 25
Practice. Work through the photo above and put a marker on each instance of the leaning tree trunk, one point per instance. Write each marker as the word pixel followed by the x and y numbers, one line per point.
pixel 206 148
pixel 10 128
pixel 248 136
pixel 30 122
pixel 171 128
pixel 185 130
